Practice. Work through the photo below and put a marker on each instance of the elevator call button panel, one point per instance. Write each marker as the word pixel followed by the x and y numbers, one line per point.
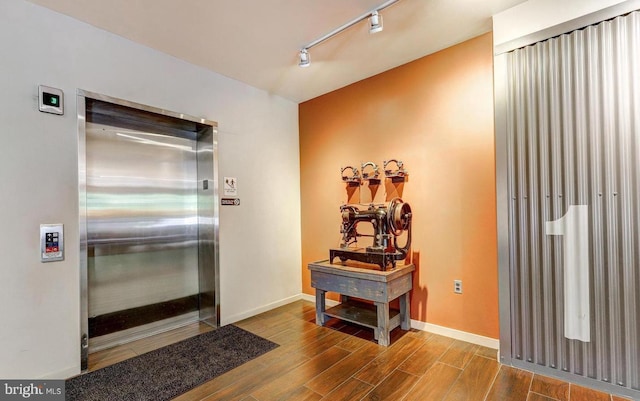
pixel 51 242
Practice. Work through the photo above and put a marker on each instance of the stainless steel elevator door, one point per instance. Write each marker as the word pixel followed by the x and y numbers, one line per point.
pixel 142 231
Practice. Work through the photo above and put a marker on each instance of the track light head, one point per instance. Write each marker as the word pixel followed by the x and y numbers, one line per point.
pixel 375 25
pixel 375 22
pixel 305 58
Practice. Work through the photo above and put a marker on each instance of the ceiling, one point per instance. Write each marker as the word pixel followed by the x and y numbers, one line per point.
pixel 257 41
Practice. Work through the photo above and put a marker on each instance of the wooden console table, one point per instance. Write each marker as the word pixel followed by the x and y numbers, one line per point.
pixel 359 280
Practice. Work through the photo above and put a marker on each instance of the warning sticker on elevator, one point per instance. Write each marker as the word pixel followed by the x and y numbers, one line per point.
pixel 230 186
pixel 230 201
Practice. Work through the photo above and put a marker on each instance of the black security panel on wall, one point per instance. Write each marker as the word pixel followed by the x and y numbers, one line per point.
pixel 51 100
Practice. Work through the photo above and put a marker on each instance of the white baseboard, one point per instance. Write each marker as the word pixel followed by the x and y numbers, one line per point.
pixel 62 374
pixel 433 328
pixel 312 298
pixel 457 334
pixel 225 320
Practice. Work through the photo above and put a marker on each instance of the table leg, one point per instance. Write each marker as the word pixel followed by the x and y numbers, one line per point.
pixel 320 307
pixel 383 323
pixel 405 312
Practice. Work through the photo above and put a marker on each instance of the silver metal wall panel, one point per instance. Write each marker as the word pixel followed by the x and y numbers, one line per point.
pixel 573 138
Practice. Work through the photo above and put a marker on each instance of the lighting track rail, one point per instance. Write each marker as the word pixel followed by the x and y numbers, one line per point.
pixel 375 25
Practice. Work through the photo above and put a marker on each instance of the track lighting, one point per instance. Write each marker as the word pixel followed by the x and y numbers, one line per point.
pixel 375 22
pixel 305 59
pixel 375 25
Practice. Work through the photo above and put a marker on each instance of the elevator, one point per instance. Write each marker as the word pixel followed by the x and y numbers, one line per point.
pixel 148 221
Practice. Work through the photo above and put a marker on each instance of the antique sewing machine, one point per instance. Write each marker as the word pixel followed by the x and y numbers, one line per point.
pixel 388 222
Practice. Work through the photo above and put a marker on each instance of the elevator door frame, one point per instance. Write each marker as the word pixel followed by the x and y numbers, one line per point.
pixel 208 214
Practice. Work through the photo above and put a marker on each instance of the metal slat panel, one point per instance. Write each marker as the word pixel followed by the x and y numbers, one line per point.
pixel 628 224
pixel 531 197
pixel 633 297
pixel 573 113
pixel 611 201
pixel 547 342
pixel 594 130
pixel 511 190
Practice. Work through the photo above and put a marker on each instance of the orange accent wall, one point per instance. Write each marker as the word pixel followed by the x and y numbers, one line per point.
pixel 436 115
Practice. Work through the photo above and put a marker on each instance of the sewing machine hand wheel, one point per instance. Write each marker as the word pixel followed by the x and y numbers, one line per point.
pixel 399 216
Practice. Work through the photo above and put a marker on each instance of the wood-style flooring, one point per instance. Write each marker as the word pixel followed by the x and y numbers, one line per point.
pixel 341 362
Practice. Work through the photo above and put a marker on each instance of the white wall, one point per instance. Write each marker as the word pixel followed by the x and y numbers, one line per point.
pixel 536 15
pixel 259 240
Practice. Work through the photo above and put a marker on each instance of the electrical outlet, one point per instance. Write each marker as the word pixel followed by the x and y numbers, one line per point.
pixel 457 286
